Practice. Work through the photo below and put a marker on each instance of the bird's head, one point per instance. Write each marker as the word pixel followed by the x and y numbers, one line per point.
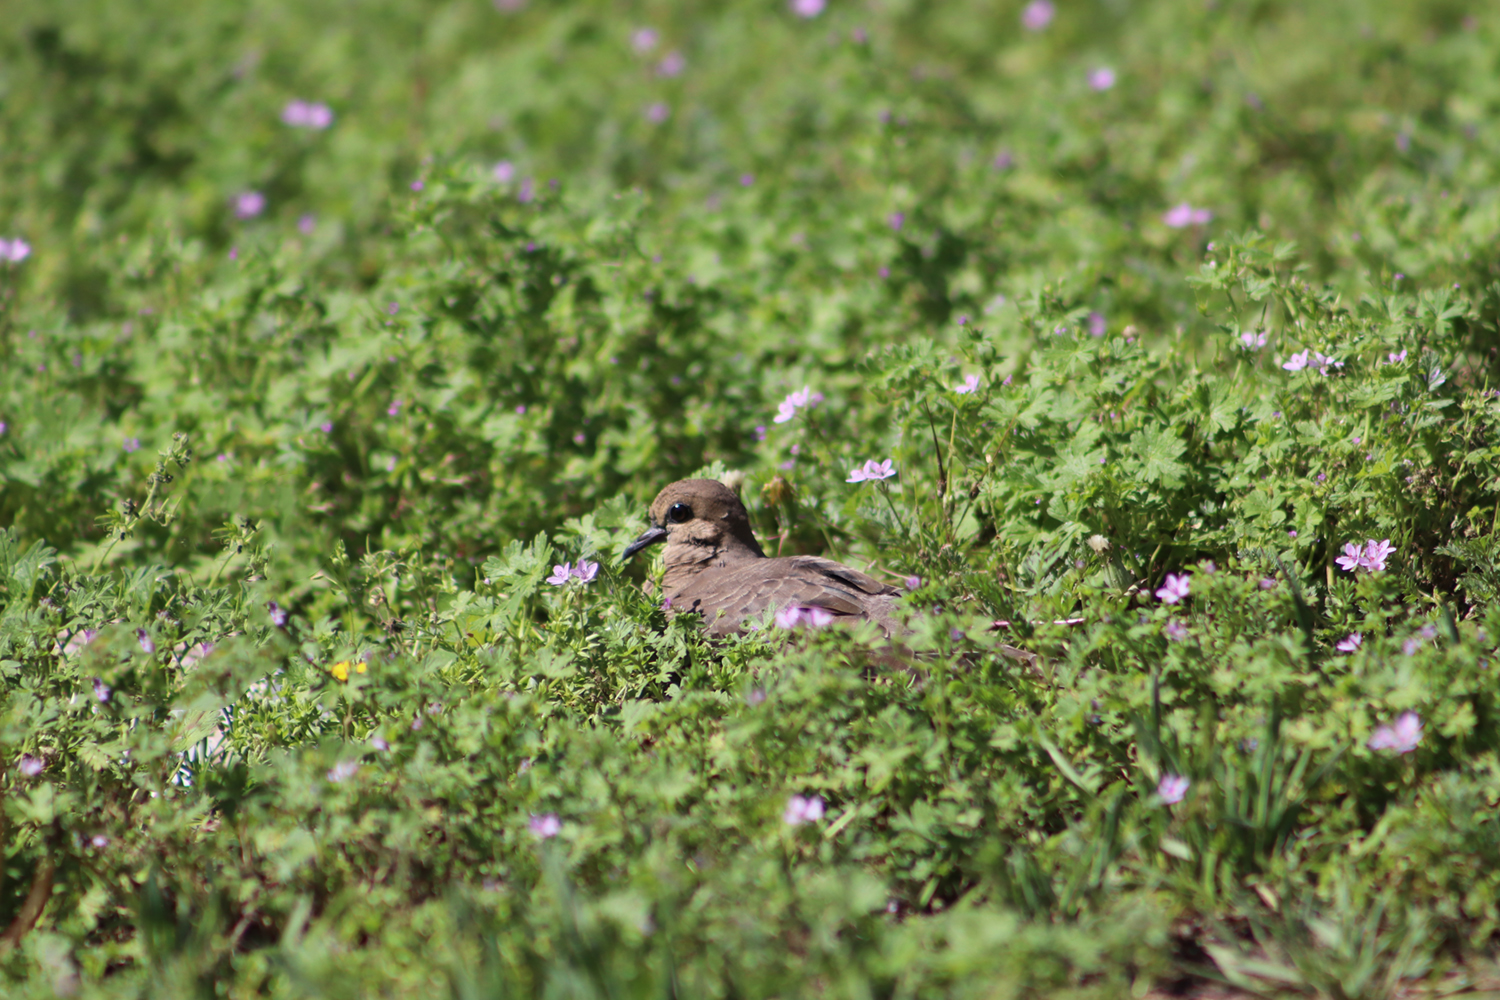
pixel 698 519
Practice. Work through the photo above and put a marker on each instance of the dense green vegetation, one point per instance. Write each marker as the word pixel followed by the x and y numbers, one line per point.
pixel 328 330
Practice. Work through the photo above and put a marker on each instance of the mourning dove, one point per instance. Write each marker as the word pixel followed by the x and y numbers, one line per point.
pixel 715 567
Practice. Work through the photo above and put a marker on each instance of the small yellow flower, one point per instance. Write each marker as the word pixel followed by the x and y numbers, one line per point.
pixel 340 670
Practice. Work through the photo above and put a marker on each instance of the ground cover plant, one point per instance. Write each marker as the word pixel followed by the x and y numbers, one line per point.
pixel 343 346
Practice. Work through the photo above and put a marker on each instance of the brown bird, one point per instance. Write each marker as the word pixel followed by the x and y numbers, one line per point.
pixel 715 567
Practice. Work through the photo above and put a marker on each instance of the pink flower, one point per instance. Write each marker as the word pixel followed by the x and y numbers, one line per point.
pixel 102 691
pixel 1252 340
pixel 658 112
pixel 249 204
pixel 913 582
pixel 1296 362
pixel 971 384
pixel 672 64
pixel 1172 788
pixel 1174 588
pixel 643 40
pixel 504 172
pixel 561 574
pixel 794 402
pixel 148 646
pixel 1323 362
pixel 1097 325
pixel 803 809
pixel 796 616
pixel 343 771
pixel 1176 631
pixel 1267 583
pixel 1182 215
pixel 394 408
pixel 1350 643
pixel 1371 556
pixel 14 251
pixel 545 826
pixel 1102 78
pixel 31 766
pixel 1037 15
pixel 1401 737
pixel 807 8
pixel 301 114
pixel 1376 553
pixel 872 471
pixel 1396 359
pixel 896 220
pixel 585 571
pixel 1352 558
pixel 306 224
pixel 132 444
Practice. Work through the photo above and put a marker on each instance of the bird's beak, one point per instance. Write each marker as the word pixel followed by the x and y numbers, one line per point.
pixel 650 536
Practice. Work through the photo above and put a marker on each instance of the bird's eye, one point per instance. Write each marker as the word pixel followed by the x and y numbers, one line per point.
pixel 679 512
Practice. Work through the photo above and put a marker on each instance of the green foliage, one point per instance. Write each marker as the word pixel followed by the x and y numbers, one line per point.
pixel 288 706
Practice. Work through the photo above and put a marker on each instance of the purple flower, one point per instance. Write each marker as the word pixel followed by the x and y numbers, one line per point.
pixel 132 444
pixel 393 409
pixel 301 114
pixel 803 809
pixel 1267 583
pixel 1176 631
pixel 99 841
pixel 102 691
pixel 1102 78
pixel 797 616
pixel 1182 215
pixel 672 64
pixel 1323 362
pixel 249 204
pixel 1402 737
pixel 148 646
pixel 418 184
pixel 1172 787
pixel 343 771
pixel 896 220
pixel 1396 359
pixel 1037 15
pixel 524 194
pixel 872 471
pixel 643 40
pixel 579 438
pixel 326 427
pixel 306 224
pixel 14 251
pixel 380 743
pixel 1096 324
pixel 1296 362
pixel 1350 643
pixel 503 172
pixel 1252 340
pixel 278 614
pixel 746 180
pixel 1174 588
pixel 545 826
pixel 913 582
pixel 31 766
pixel 585 571
pixel 807 8
pixel 788 407
pixel 561 574
pixel 971 384
pixel 658 112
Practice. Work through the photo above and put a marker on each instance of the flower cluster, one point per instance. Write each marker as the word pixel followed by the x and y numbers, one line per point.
pixel 1312 359
pixel 302 114
pixel 794 402
pixel 872 471
pixel 584 572
pixel 14 251
pixel 1402 737
pixel 340 670
pixel 796 615
pixel 1370 556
